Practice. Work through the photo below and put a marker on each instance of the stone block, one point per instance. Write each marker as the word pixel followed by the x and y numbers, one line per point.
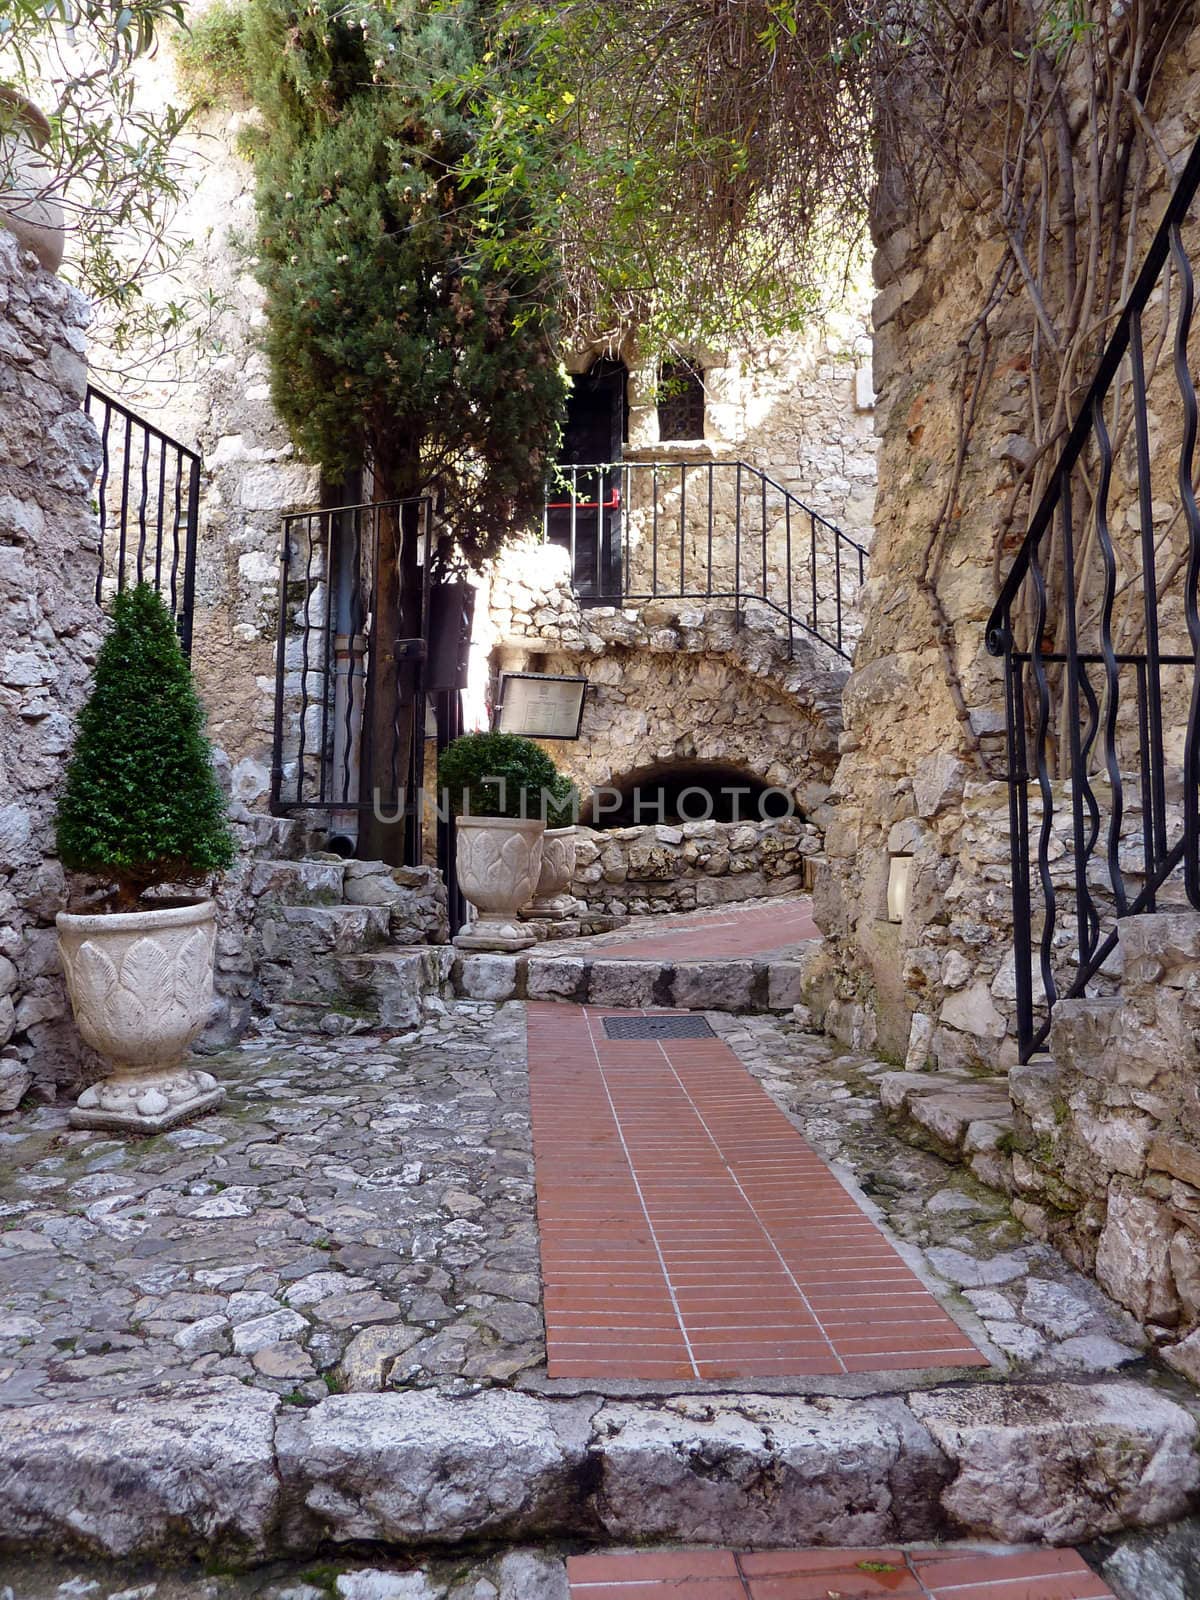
pixel 652 863
pixel 972 1011
pixel 1133 1256
pixel 1035 1089
pixel 554 977
pixel 1118 1140
pixel 298 882
pixel 938 783
pixel 387 986
pixel 1061 1463
pixel 15 1076
pixel 714 986
pixel 1184 1257
pixel 487 977
pixel 948 1116
pixel 303 932
pixel 766 1471
pixel 194 1472
pixel 622 983
pixel 785 985
pixel 419 1468
pixel 1168 1153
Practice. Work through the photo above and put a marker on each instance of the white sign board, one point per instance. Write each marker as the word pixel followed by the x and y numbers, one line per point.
pixel 540 706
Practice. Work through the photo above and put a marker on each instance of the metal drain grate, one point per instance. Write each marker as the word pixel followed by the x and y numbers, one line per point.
pixel 657 1028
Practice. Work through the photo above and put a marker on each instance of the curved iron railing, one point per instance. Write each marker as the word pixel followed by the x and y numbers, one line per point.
pixel 148 504
pixel 1099 628
pixel 639 531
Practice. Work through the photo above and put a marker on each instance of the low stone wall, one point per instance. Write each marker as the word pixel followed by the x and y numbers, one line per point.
pixel 50 633
pixel 635 871
pixel 1106 1157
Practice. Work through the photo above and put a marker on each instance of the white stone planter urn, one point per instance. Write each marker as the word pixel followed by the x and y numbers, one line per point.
pixel 551 902
pixel 499 865
pixel 27 205
pixel 141 987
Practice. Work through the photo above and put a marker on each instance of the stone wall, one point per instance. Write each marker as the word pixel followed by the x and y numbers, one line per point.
pixel 652 870
pixel 218 403
pixel 50 632
pixel 906 754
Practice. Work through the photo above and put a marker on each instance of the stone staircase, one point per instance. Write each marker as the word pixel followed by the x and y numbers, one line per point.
pixel 333 945
pixel 345 943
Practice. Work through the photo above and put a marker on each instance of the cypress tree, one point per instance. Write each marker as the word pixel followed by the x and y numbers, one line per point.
pixel 141 805
pixel 390 342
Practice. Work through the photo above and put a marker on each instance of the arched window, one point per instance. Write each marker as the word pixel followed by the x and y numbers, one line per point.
pixel 680 401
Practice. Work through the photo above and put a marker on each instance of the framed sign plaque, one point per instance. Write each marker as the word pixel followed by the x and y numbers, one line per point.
pixel 540 705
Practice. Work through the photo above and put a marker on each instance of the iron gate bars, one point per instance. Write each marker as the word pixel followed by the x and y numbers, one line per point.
pixel 714 530
pixel 330 661
pixel 148 498
pixel 1099 630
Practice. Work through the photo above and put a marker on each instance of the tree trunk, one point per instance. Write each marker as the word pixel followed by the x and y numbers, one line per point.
pixel 395 674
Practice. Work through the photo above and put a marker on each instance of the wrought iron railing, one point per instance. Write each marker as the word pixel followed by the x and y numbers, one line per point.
pixel 638 531
pixel 1099 628
pixel 148 502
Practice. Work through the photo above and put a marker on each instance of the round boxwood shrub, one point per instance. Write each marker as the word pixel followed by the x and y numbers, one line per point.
pixel 562 810
pixel 141 805
pixel 496 775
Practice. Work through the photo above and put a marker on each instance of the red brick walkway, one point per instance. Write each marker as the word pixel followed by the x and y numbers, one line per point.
pixel 845 1574
pixel 688 1231
pixel 730 931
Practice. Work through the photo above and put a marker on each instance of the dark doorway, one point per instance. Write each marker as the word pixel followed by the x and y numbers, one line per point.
pixel 583 512
pixel 686 791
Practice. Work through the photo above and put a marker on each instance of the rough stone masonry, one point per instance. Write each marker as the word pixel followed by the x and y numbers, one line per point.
pixel 50 631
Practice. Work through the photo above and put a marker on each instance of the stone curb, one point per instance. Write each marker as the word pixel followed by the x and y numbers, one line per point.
pixel 223 1469
pixel 717 985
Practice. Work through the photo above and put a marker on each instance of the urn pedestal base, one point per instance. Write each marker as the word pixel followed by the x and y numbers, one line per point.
pixel 502 934
pixel 147 1102
pixel 559 909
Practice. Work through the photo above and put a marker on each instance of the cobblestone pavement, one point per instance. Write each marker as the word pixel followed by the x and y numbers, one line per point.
pixel 1162 1564
pixel 359 1213
pixel 1043 1316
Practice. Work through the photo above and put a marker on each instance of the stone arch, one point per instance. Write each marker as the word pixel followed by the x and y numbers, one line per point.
pixel 663 699
pixel 687 790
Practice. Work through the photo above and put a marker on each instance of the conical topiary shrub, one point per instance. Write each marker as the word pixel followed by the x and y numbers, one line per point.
pixel 141 805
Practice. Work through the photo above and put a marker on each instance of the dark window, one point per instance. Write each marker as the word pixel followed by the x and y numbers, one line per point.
pixel 680 401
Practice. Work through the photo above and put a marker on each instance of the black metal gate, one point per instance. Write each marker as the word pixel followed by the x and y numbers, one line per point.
pixel 351 704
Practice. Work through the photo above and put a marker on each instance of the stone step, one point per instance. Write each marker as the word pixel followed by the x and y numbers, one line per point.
pixel 222 1469
pixel 298 883
pixel 388 988
pixel 738 986
pixel 965 1117
pixel 393 986
pixel 302 935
